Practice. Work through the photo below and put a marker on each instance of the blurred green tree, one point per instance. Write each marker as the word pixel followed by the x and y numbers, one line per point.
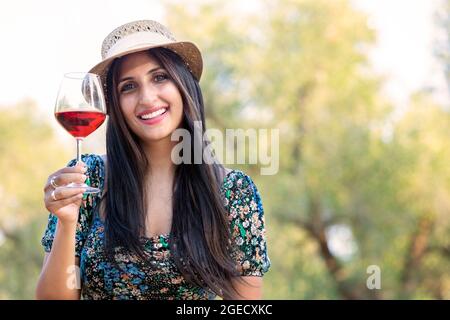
pixel 29 152
pixel 343 197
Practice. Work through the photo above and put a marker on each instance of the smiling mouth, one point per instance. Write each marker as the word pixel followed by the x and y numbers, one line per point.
pixel 153 114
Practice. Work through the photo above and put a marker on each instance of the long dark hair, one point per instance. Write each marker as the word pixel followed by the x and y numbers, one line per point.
pixel 200 234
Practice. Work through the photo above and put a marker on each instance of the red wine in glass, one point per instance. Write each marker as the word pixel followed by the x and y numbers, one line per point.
pixel 80 124
pixel 80 109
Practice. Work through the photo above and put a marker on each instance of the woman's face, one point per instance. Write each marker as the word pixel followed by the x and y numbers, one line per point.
pixel 149 99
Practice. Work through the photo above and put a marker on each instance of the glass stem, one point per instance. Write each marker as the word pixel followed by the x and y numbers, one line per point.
pixel 79 150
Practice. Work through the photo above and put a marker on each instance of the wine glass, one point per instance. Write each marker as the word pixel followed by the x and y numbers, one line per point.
pixel 80 109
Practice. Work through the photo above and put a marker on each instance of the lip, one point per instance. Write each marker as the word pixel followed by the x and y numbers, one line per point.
pixel 151 110
pixel 154 120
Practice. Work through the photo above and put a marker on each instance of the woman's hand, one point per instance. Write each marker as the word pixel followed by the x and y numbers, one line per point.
pixel 64 202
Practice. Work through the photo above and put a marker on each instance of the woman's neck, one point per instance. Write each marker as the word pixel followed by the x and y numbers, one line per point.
pixel 159 158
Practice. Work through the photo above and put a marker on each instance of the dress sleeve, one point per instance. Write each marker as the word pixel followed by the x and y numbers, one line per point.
pixel 85 216
pixel 246 217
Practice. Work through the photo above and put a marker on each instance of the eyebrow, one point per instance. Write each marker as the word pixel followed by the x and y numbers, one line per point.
pixel 131 78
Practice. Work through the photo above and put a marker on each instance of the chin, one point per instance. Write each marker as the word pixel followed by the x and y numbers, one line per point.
pixel 156 137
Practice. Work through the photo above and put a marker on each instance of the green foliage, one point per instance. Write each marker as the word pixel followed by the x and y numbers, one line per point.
pixel 302 65
pixel 29 152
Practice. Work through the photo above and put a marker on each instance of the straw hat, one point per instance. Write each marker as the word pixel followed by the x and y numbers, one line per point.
pixel 142 35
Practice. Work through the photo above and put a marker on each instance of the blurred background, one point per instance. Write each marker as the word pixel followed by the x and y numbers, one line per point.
pixel 358 89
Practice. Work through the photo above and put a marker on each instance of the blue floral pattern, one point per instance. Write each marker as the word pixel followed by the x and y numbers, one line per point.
pixel 158 277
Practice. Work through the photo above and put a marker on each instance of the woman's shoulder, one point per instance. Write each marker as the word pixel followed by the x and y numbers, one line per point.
pixel 239 189
pixel 236 179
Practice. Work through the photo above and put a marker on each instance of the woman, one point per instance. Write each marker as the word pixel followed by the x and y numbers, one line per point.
pixel 160 229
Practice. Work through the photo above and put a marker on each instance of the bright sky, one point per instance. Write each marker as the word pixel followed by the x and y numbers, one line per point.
pixel 44 39
pixel 406 31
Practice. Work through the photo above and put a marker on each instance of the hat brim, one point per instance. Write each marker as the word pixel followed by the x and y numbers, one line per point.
pixel 188 51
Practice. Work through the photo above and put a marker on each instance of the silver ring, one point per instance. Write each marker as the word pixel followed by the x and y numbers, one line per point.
pixel 53 195
pixel 53 183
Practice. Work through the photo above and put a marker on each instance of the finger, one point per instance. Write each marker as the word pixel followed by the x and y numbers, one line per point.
pixel 66 178
pixel 79 167
pixel 63 193
pixel 62 203
pixel 76 169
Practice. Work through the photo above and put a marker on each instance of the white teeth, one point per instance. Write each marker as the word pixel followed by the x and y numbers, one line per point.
pixel 153 114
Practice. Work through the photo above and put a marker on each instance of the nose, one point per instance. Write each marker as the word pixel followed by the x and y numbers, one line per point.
pixel 148 94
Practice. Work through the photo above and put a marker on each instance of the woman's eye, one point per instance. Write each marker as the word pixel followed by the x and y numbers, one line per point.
pixel 127 87
pixel 160 77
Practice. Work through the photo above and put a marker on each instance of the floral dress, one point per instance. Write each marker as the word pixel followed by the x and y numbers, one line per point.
pixel 159 278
